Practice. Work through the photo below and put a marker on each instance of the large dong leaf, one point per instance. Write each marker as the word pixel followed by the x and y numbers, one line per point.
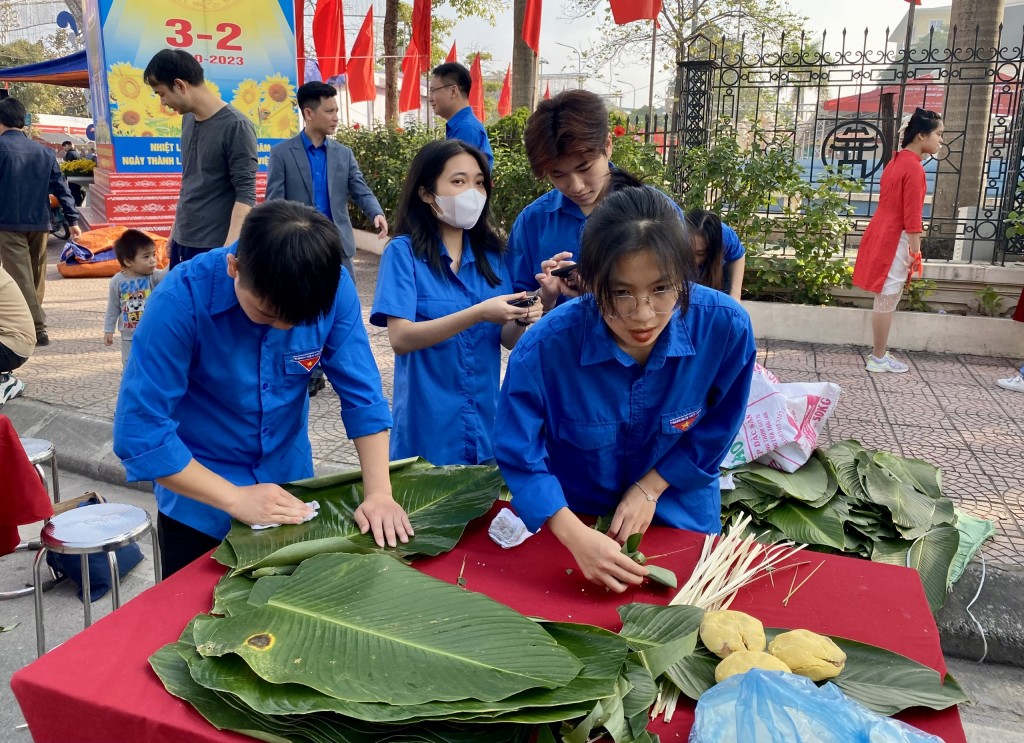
pixel 931 555
pixel 843 456
pixel 227 712
pixel 601 652
pixel 440 502
pixel 818 526
pixel 811 484
pixel 909 506
pixel 661 635
pixel 925 477
pixel 367 628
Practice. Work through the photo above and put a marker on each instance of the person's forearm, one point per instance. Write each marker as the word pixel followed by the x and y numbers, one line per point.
pixel 238 214
pixel 372 451
pixel 511 332
pixel 914 242
pixel 407 336
pixel 653 484
pixel 736 278
pixel 202 484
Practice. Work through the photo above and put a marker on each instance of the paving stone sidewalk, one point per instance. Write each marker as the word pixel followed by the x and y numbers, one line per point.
pixel 947 410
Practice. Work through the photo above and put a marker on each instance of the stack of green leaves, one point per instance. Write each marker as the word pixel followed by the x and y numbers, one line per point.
pixel 360 647
pixel 859 502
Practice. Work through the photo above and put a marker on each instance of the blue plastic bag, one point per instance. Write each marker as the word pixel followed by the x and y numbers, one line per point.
pixel 769 706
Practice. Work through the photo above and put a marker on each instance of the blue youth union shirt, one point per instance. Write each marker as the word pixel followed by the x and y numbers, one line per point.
pixel 205 382
pixel 549 225
pixel 445 395
pixel 465 127
pixel 579 420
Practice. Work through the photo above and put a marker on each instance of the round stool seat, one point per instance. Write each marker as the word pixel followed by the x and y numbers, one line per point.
pixel 102 527
pixel 38 450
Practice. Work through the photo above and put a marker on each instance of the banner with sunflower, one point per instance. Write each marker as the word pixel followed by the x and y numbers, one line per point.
pixel 246 48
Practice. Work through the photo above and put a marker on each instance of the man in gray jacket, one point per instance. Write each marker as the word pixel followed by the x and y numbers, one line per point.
pixel 317 170
pixel 29 173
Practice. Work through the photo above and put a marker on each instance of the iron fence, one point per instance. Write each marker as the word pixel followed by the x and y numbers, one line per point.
pixel 838 109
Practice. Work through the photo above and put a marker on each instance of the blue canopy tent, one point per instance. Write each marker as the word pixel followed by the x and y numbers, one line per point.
pixel 71 71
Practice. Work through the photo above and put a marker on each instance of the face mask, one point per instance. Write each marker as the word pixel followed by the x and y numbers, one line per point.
pixel 462 210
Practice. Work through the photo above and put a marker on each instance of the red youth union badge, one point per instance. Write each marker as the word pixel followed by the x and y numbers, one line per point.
pixel 308 360
pixel 684 422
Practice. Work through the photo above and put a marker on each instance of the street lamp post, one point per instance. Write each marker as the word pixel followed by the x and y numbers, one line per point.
pixel 579 63
pixel 627 82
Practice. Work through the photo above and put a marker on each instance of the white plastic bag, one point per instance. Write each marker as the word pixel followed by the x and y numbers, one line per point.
pixel 783 421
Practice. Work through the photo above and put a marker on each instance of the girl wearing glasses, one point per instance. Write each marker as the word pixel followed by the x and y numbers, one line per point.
pixel 444 296
pixel 625 400
pixel 893 238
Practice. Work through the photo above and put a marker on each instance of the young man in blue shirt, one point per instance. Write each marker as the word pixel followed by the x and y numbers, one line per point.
pixel 450 84
pixel 213 404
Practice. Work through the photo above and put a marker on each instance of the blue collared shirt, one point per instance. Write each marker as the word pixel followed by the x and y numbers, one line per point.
pixel 445 395
pixel 465 126
pixel 549 225
pixel 579 421
pixel 318 167
pixel 204 382
pixel 732 251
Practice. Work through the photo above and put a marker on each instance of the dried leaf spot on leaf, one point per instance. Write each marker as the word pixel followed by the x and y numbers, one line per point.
pixel 261 641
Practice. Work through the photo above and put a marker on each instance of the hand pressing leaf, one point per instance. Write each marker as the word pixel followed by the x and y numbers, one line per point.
pixel 664 576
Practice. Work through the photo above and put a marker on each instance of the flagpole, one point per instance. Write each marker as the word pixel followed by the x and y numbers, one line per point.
pixel 654 48
pixel 348 116
pixel 906 59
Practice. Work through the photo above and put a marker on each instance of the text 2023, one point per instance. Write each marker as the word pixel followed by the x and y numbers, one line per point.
pixel 219 59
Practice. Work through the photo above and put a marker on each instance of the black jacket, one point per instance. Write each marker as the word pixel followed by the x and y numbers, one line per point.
pixel 29 173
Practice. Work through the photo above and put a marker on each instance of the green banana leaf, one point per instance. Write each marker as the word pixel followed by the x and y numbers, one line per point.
pixel 440 502
pixel 226 712
pixel 931 555
pixel 231 595
pixel 880 679
pixel 601 652
pixel 820 526
pixel 458 644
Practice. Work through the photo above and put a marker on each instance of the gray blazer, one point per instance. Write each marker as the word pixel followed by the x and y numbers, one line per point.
pixel 290 177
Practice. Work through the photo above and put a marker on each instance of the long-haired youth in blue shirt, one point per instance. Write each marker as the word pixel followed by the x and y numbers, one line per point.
pixel 625 400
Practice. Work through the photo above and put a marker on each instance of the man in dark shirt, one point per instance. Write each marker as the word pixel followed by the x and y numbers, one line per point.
pixel 218 157
pixel 70 153
pixel 29 173
pixel 450 84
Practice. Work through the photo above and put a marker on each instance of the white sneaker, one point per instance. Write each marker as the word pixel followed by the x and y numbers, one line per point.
pixel 886 364
pixel 10 387
pixel 1013 383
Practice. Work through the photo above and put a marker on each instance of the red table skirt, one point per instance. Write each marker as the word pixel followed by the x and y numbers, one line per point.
pixel 98 687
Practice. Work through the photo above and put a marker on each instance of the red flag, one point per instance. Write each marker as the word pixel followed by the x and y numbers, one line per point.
pixel 531 25
pixel 453 56
pixel 360 79
pixel 915 2
pixel 300 38
pixel 476 91
pixel 329 38
pixel 547 91
pixel 505 99
pixel 409 98
pixel 627 11
pixel 421 32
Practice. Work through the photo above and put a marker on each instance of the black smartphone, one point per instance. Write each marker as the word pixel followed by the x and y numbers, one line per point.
pixel 565 271
pixel 528 301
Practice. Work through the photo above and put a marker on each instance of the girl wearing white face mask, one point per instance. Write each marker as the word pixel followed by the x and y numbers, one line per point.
pixel 443 293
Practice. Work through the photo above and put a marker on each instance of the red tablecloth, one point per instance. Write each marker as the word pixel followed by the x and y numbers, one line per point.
pixel 23 497
pixel 98 686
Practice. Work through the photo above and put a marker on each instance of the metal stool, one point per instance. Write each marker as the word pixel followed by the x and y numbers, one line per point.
pixel 103 527
pixel 39 451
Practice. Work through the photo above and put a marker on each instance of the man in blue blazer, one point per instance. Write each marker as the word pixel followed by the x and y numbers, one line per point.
pixel 317 170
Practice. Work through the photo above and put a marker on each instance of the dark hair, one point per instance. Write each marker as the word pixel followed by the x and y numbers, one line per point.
pixel 130 244
pixel 922 122
pixel 67 142
pixel 619 179
pixel 629 221
pixel 12 113
pixel 309 95
pixel 169 65
pixel 289 255
pixel 709 226
pixel 454 74
pixel 574 122
pixel 416 218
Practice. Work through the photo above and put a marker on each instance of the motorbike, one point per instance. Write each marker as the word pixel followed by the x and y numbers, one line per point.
pixel 59 226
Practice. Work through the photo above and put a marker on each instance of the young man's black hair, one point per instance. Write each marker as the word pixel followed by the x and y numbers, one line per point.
pixel 169 65
pixel 129 244
pixel 289 255
pixel 310 94
pixel 66 142
pixel 12 113
pixel 454 73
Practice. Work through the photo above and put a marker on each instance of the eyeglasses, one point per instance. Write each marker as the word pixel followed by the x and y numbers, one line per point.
pixel 663 302
pixel 441 87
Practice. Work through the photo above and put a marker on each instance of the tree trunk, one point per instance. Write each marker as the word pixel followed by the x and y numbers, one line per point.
pixel 391 62
pixel 524 64
pixel 959 181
